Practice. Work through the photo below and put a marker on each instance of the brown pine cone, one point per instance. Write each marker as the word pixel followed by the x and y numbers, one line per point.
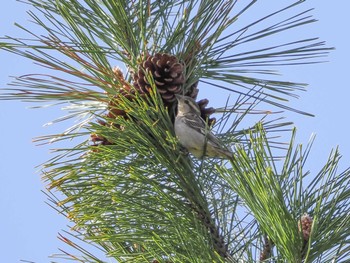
pixel 123 88
pixel 206 112
pixel 167 73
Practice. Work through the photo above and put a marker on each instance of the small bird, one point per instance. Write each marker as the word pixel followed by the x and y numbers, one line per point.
pixel 193 132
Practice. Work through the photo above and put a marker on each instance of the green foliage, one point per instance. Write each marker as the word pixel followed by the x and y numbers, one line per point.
pixel 93 34
pixel 140 198
pixel 137 192
pixel 278 199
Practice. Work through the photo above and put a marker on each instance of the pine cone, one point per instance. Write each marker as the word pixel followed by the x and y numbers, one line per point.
pixel 167 73
pixel 206 112
pixel 305 225
pixel 124 89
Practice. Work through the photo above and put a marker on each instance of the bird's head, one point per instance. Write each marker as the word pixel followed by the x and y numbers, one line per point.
pixel 187 105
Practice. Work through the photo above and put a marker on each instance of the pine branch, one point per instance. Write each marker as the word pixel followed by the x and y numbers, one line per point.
pixel 296 235
pixel 130 189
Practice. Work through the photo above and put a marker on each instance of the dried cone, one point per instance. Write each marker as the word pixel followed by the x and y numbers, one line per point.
pixel 206 112
pixel 167 73
pixel 124 89
pixel 168 76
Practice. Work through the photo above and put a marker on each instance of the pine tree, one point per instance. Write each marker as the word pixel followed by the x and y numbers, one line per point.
pixel 128 188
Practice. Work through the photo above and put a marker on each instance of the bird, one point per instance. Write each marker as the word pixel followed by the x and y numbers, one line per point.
pixel 193 132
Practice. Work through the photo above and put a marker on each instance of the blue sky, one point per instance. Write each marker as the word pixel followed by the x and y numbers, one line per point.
pixel 29 227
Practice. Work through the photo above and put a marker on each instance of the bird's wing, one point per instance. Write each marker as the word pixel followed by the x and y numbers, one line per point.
pixel 197 123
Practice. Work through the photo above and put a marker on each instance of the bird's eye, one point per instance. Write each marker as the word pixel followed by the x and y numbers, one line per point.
pixel 187 102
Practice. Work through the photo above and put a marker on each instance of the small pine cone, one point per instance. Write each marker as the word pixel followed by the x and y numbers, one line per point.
pixel 114 112
pixel 121 84
pixel 206 112
pixel 123 88
pixel 167 73
pixel 305 225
